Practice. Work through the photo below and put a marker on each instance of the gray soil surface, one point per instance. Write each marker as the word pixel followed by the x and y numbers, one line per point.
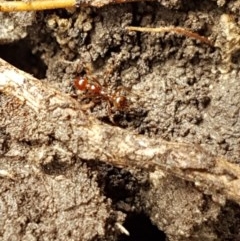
pixel 179 89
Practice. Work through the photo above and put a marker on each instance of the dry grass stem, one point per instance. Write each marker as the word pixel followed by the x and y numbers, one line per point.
pixel 12 6
pixel 172 29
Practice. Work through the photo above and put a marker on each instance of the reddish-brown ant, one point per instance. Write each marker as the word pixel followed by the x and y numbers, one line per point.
pixel 95 90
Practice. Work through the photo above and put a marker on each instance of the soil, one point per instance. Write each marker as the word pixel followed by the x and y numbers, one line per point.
pixel 178 88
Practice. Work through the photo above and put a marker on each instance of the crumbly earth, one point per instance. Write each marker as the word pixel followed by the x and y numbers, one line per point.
pixel 179 89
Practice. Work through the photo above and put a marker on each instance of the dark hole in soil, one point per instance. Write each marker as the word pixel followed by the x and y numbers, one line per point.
pixel 20 55
pixel 235 58
pixel 141 229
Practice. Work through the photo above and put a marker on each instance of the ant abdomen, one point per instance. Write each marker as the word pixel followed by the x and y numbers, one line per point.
pixel 120 102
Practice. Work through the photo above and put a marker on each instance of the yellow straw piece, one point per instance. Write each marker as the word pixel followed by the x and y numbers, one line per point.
pixel 12 6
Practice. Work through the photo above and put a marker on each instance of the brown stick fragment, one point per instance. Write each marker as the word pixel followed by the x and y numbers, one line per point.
pixel 178 30
pixel 77 134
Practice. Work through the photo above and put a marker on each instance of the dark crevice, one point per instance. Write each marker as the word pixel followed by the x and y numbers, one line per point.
pixel 19 54
pixel 140 228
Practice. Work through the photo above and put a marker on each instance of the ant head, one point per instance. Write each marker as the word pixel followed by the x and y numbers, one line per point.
pixel 80 83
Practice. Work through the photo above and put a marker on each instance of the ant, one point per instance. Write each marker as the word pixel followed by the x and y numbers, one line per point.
pixel 96 91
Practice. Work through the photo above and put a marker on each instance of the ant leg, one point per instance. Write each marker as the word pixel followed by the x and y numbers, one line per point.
pixel 127 90
pixel 108 72
pixel 94 79
pixel 88 69
pixel 110 114
pixel 105 75
pixel 93 102
pixel 90 96
pixel 83 66
pixel 121 89
pixel 87 106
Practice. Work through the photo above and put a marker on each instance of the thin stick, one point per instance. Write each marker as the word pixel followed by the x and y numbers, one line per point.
pixel 12 6
pixel 31 5
pixel 81 135
pixel 178 30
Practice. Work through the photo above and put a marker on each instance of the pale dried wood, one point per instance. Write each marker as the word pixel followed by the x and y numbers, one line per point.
pixel 95 140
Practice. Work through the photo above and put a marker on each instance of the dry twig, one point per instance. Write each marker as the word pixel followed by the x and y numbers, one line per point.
pixel 11 6
pixel 172 29
pixel 93 139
